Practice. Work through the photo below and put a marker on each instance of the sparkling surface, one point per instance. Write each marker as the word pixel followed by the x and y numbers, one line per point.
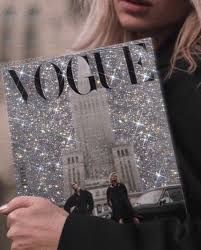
pixel 41 129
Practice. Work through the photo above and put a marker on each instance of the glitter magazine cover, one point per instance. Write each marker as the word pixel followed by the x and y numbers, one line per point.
pixel 89 132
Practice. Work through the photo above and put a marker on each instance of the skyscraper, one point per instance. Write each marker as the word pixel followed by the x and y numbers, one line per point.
pixel 92 124
pixel 95 141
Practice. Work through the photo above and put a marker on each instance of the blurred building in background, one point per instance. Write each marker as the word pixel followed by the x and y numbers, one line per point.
pixel 32 28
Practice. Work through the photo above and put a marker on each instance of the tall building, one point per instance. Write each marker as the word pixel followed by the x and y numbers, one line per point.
pixel 100 154
pixel 92 124
pixel 74 170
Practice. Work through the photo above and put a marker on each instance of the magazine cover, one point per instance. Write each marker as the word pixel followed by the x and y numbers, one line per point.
pixel 89 131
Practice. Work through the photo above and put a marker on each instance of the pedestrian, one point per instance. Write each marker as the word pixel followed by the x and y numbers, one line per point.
pixel 81 202
pixel 118 201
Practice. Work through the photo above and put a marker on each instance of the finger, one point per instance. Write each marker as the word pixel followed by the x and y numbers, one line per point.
pixel 18 202
pixel 20 245
pixel 14 216
pixel 2 208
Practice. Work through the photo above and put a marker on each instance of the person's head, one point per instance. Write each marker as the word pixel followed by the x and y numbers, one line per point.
pixel 150 17
pixel 115 21
pixel 113 178
pixel 75 186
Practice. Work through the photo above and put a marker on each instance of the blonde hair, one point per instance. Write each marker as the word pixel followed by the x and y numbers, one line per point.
pixel 112 174
pixel 102 28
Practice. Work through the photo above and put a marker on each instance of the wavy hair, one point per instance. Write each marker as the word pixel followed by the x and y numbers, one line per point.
pixel 102 28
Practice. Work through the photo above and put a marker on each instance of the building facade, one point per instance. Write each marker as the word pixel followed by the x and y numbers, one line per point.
pixel 126 167
pixel 74 171
pixel 37 28
pixel 96 153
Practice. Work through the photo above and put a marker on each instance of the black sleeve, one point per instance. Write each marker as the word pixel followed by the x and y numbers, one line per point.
pixel 68 204
pixel 124 189
pixel 93 233
pixel 183 101
pixel 90 202
pixel 108 197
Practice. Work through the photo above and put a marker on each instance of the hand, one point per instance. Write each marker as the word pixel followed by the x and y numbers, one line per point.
pixel 34 223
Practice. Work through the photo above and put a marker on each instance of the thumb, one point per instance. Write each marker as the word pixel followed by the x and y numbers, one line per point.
pixel 18 202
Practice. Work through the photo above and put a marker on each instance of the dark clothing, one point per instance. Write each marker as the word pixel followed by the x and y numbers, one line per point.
pixel 94 233
pixel 183 100
pixel 117 198
pixel 82 203
pixel 182 93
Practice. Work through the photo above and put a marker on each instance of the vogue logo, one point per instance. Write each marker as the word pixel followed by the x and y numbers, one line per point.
pixel 70 77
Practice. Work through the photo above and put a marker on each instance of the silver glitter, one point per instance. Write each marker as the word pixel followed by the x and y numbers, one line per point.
pixel 44 132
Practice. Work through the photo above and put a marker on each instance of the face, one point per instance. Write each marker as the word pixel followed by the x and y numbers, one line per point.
pixel 113 179
pixel 75 186
pixel 150 16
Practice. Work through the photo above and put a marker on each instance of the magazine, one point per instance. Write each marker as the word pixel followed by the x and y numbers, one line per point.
pixel 92 125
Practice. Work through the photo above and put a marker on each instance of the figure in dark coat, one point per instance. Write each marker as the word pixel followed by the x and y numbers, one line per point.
pixel 81 202
pixel 117 198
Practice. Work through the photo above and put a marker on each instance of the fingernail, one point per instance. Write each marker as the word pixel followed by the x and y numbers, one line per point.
pixel 4 207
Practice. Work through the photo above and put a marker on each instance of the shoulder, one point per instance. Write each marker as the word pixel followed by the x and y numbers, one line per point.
pixel 181 75
pixel 182 90
pixel 71 197
pixel 86 192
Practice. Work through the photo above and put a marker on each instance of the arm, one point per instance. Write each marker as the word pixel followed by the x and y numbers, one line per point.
pixel 108 198
pixel 88 232
pixel 124 190
pixel 90 203
pixel 68 204
pixel 185 123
